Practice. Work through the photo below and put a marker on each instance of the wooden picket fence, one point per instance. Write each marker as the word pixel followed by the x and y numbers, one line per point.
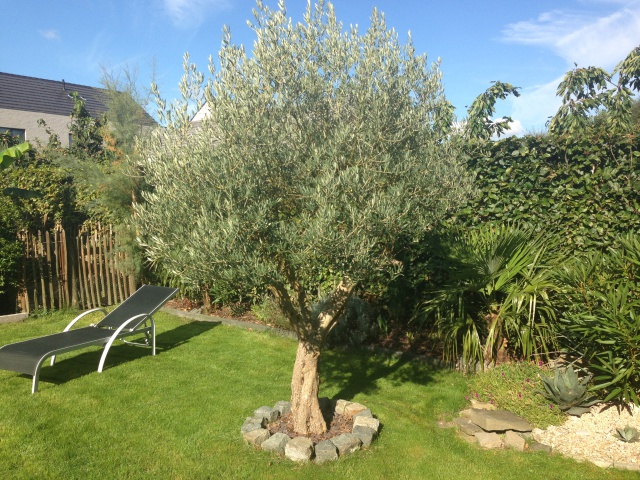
pixel 78 267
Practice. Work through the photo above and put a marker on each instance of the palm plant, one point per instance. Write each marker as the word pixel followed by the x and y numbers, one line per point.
pixel 497 296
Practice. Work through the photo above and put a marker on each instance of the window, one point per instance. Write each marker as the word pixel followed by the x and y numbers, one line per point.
pixel 16 132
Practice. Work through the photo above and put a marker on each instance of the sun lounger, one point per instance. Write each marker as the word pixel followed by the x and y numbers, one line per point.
pixel 131 317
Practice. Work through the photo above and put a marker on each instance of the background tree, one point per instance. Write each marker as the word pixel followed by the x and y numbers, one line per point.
pixel 325 154
pixel 588 91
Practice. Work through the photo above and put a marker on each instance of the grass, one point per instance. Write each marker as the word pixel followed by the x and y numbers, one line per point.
pixel 178 415
pixel 513 387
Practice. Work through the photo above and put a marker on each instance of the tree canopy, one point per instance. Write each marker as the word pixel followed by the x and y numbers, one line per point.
pixel 325 152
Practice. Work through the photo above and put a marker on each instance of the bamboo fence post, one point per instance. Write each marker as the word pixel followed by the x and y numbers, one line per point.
pixel 58 267
pixel 83 262
pixel 34 272
pixel 50 268
pixel 38 251
pixel 94 264
pixel 25 287
pixel 107 269
pixel 112 266
pixel 64 263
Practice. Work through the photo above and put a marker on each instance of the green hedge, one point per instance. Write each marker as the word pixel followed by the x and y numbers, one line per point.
pixel 587 190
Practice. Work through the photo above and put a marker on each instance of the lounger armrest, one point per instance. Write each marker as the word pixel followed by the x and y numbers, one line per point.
pixel 114 336
pixel 68 327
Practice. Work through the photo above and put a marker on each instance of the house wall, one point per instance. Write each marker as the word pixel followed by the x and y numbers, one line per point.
pixel 28 121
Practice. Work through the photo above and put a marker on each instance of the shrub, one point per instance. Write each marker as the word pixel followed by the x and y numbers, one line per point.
pixel 512 387
pixel 356 326
pixel 496 294
pixel 603 322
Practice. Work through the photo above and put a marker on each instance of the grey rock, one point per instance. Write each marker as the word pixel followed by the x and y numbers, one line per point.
pixel 299 449
pixel 365 434
pixel 513 440
pixel 283 407
pixel 347 443
pixel 372 423
pixel 326 451
pixel 466 426
pixel 276 443
pixel 601 463
pixel 252 423
pixel 364 413
pixel 539 447
pixel 256 437
pixel 488 439
pixel 499 421
pixel 268 413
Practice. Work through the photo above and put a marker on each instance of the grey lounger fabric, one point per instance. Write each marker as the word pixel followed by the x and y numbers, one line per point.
pixel 131 317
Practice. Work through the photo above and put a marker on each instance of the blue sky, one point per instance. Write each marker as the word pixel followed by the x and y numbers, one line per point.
pixel 530 44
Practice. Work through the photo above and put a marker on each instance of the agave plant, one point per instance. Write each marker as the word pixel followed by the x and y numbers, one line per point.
pixel 628 434
pixel 568 391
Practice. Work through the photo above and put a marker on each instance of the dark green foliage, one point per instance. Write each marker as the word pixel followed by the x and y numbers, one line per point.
pixel 11 250
pixel 357 325
pixel 495 289
pixel 86 132
pixel 601 321
pixel 567 390
pixel 587 190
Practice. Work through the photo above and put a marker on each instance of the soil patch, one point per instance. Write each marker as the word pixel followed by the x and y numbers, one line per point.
pixel 337 425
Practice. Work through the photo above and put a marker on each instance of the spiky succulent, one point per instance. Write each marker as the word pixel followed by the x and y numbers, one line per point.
pixel 568 391
pixel 628 434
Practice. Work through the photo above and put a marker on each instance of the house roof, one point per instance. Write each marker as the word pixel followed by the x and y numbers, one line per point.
pixel 31 94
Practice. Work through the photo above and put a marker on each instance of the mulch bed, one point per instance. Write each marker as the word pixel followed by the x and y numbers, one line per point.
pixel 337 425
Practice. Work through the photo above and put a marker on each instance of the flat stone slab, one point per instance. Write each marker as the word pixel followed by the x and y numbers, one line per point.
pixel 276 443
pixel 488 440
pixel 326 451
pixel 466 426
pixel 347 443
pixel 14 317
pixel 498 421
pixel 299 449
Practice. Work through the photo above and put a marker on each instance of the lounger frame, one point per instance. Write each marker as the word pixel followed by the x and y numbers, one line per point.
pixel 95 334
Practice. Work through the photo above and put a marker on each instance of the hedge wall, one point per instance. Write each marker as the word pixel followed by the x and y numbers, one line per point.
pixel 587 189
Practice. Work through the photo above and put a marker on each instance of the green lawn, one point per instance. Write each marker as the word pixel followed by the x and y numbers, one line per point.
pixel 178 415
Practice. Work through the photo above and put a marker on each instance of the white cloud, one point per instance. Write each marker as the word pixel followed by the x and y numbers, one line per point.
pixel 191 13
pixel 585 38
pixel 50 34
pixel 535 105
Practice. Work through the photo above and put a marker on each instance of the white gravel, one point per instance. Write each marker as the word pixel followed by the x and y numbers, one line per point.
pixel 592 436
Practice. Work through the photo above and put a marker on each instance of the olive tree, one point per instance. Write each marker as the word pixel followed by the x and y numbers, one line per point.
pixel 325 152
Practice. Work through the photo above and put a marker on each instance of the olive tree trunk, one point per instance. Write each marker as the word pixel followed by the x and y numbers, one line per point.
pixel 305 408
pixel 311 331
